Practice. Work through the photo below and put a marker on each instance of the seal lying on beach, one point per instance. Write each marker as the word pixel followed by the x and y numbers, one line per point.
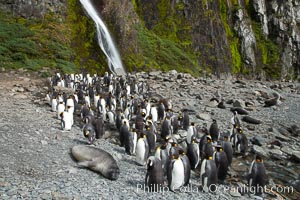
pixel 97 160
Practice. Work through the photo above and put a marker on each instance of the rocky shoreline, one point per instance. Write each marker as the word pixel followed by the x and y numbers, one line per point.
pixel 36 161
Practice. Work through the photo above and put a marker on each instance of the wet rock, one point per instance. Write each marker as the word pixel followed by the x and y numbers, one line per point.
pixel 204 116
pixel 279 136
pixel 260 150
pixel 44 142
pixel 276 154
pixel 235 193
pixel 239 103
pixel 20 96
pixel 295 156
pixel 258 140
pixel 68 91
pixel 250 127
pixel 212 104
pixel 154 73
pixel 294 130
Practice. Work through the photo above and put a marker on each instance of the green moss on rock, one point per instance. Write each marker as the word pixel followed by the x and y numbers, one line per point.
pixel 232 38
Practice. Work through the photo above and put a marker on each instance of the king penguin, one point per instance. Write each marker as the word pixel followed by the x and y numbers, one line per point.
pixel 257 176
pixel 227 147
pixel 175 173
pixel 66 120
pixel 166 128
pixel 131 142
pixel 221 160
pixel 187 167
pixel 99 127
pixel 214 131
pixel 155 175
pixel 151 138
pixel 60 109
pixel 124 133
pixel 89 132
pixel 241 142
pixel 142 149
pixel 162 153
pixel 193 153
pixel 191 133
pixel 208 174
pixel 206 149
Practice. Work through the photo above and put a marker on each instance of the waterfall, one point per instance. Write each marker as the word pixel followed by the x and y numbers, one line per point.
pixel 105 41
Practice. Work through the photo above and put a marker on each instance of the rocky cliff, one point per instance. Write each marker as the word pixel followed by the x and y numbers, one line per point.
pixel 255 38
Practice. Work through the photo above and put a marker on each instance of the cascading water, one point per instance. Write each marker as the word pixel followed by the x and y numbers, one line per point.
pixel 105 41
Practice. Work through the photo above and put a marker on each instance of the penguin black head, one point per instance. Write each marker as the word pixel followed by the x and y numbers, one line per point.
pixel 143 114
pixel 240 130
pixel 86 133
pixel 192 124
pixel 258 159
pixel 174 144
pixel 181 152
pixel 150 162
pixel 147 127
pixel 225 138
pixel 194 141
pixel 219 148
pixel 175 156
pixel 208 138
pixel 143 135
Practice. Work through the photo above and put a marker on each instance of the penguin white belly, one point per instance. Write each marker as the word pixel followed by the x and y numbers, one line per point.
pixel 70 102
pixel 140 152
pixel 110 88
pixel 128 90
pixel 111 117
pixel 158 154
pixel 189 135
pixel 153 112
pixel 90 80
pixel 202 171
pixel 87 101
pixel 177 175
pixel 96 99
pixel 198 156
pixel 68 121
pixel 148 107
pixel 54 105
pixel 134 142
pixel 113 104
pixel 60 109
pixel 48 99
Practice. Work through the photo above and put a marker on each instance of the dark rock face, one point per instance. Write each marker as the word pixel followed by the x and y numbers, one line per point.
pixel 34 8
pixel 257 38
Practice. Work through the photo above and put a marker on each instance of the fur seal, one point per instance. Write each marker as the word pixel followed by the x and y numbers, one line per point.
pixel 96 160
pixel 251 120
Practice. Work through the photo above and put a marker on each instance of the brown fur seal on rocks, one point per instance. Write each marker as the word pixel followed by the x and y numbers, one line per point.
pixel 97 160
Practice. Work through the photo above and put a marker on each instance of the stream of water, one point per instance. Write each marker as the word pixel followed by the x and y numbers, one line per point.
pixel 105 40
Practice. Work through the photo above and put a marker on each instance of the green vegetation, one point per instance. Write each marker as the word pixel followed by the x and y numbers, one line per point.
pixel 160 53
pixel 167 43
pixel 232 38
pixel 83 36
pixel 268 51
pixel 34 44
